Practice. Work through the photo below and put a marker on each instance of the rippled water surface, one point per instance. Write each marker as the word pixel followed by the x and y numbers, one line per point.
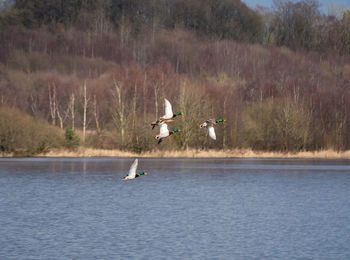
pixel 183 209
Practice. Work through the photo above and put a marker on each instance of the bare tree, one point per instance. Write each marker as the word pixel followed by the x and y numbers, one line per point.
pixel 72 109
pixel 144 96
pixel 63 117
pixel 156 94
pixel 295 23
pixel 52 102
pixel 224 138
pixel 134 107
pixel 101 23
pixel 191 106
pixel 86 102
pixel 119 110
pixel 96 115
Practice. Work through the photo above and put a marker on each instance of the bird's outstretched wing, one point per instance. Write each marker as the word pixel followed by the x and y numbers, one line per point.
pixel 168 110
pixel 211 121
pixel 132 171
pixel 164 131
pixel 211 132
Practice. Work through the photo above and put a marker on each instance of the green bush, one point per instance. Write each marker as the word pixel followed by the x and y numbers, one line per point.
pixel 71 139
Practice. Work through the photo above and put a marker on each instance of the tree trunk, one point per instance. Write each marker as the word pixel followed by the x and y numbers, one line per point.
pixel 185 114
pixel 52 102
pixel 33 104
pixel 134 107
pixel 144 97
pixel 122 29
pixel 86 100
pixel 72 100
pixel 96 115
pixel 156 91
pixel 60 118
pixel 224 126
pixel 119 110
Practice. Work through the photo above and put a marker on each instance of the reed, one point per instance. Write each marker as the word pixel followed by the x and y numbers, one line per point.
pixel 193 153
pixel 6 155
pixel 87 152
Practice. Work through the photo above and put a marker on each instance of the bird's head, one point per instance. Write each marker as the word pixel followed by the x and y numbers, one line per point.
pixel 176 130
pixel 143 173
pixel 179 114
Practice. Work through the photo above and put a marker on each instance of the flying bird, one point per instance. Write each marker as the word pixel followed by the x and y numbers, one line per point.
pixel 164 132
pixel 132 172
pixel 209 125
pixel 167 118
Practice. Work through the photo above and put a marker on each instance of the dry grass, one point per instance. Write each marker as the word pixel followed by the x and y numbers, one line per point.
pixel 87 152
pixel 191 153
pixel 6 155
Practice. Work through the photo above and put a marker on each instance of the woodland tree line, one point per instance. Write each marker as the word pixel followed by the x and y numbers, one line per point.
pixel 95 73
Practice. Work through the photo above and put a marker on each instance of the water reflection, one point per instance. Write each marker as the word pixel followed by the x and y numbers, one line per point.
pixel 84 166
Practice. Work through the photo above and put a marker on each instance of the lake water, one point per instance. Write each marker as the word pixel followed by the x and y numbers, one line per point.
pixel 183 209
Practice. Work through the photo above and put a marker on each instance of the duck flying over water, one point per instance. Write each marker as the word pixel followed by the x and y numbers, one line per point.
pixel 209 125
pixel 164 132
pixel 132 172
pixel 167 118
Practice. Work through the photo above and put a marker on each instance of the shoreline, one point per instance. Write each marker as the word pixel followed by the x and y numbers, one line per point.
pixel 190 153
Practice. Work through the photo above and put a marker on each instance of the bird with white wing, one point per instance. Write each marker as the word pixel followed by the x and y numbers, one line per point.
pixel 168 117
pixel 209 125
pixel 164 132
pixel 132 172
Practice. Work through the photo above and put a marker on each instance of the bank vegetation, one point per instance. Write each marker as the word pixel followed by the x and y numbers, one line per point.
pixel 80 75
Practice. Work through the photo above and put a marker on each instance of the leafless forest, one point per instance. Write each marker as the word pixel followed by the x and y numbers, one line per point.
pixel 95 74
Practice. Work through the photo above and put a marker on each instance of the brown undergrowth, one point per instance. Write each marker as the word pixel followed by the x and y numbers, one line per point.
pixel 193 153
